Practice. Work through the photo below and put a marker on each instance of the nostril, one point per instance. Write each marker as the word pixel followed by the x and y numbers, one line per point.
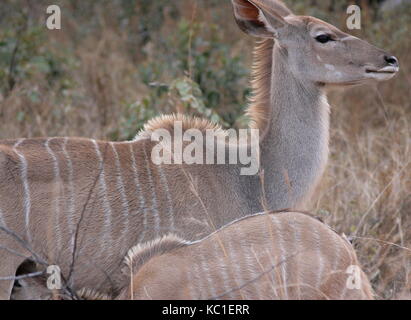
pixel 391 60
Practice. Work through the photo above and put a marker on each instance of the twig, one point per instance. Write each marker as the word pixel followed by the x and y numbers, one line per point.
pixel 254 279
pixel 76 234
pixel 11 81
pixel 24 276
pixel 25 245
pixel 378 198
pixel 383 241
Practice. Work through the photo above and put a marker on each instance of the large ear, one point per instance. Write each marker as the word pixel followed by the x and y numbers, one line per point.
pixel 260 18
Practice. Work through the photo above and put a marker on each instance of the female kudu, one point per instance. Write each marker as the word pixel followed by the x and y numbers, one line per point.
pixel 81 204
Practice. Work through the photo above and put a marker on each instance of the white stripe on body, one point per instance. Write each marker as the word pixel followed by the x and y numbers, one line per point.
pixel 222 265
pixel 139 192
pixel 272 274
pixel 283 256
pixel 196 284
pixel 190 283
pixel 205 273
pixel 71 197
pixel 124 200
pixel 107 238
pixel 56 172
pixel 238 279
pixel 320 260
pixel 154 202
pixel 2 219
pixel 27 197
pixel 297 256
pixel 164 182
pixel 255 276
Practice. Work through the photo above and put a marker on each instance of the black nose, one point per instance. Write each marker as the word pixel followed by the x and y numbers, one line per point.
pixel 391 60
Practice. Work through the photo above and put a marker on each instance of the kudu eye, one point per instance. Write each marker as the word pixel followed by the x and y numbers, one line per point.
pixel 323 38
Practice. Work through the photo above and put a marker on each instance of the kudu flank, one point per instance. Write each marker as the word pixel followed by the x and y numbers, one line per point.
pixel 286 255
pixel 282 255
pixel 81 204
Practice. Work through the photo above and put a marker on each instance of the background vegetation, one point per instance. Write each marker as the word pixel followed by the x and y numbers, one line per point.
pixel 117 63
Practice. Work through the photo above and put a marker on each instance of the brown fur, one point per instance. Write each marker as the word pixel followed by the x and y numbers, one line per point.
pixel 294 256
pixel 244 261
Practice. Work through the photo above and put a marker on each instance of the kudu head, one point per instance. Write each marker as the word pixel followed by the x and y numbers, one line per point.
pixel 315 51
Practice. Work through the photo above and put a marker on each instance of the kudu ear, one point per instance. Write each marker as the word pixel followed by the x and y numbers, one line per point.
pixel 260 18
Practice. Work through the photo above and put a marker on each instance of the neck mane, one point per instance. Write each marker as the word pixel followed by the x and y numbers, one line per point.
pixel 293 118
pixel 259 110
pixel 140 254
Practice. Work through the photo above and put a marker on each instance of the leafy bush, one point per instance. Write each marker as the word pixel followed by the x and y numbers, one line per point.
pixel 197 51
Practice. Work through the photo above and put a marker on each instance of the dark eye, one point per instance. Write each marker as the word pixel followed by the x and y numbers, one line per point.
pixel 323 38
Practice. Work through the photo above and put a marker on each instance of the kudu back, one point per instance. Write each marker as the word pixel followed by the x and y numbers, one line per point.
pixel 271 256
pixel 282 255
pixel 81 204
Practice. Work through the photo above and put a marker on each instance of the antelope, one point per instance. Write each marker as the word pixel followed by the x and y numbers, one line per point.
pixel 81 203
pixel 287 255
pixel 281 255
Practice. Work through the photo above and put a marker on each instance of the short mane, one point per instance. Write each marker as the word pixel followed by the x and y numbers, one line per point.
pixel 91 294
pixel 259 109
pixel 188 122
pixel 140 254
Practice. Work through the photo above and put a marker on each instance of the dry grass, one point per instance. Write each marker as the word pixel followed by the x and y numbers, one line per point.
pixel 366 190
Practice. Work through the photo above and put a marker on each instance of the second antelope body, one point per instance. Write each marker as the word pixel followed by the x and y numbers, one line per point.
pixel 284 255
pixel 82 204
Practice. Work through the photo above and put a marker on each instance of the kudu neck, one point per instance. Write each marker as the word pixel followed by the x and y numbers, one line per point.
pixel 294 144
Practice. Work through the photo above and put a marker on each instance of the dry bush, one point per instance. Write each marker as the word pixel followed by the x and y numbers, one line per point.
pixel 366 191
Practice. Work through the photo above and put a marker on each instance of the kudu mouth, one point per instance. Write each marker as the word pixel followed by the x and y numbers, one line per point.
pixel 381 74
pixel 386 72
pixel 389 70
